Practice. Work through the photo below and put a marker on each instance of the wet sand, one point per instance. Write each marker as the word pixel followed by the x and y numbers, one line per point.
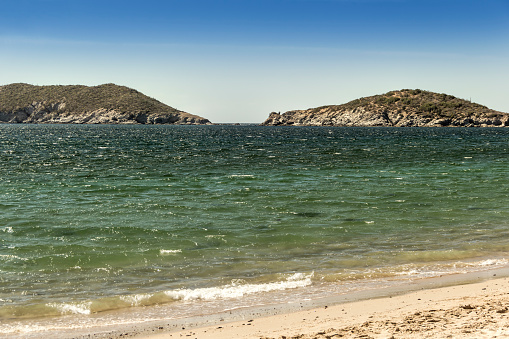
pixel 471 305
pixel 455 306
pixel 479 310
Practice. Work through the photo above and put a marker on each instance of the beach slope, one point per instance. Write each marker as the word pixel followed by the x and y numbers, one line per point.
pixel 477 310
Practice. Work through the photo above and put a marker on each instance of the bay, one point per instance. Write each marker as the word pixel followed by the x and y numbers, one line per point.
pixel 106 217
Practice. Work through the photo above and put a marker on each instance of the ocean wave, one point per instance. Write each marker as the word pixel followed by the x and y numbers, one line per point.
pixel 170 251
pixel 489 263
pixel 235 290
pixel 72 308
pixel 434 270
pixel 413 270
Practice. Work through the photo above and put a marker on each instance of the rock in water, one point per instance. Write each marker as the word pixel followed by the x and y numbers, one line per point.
pixel 103 104
pixel 405 108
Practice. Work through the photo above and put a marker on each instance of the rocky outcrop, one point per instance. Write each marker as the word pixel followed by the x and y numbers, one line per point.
pixel 104 104
pixel 41 112
pixel 405 108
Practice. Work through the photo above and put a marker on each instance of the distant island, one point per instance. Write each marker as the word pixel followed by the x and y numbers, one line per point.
pixel 404 108
pixel 76 104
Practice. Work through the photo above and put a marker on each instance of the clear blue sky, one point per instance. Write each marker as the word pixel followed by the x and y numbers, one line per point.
pixel 238 60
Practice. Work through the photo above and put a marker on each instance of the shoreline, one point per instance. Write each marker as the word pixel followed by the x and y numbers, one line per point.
pixel 381 311
pixel 455 310
pixel 460 311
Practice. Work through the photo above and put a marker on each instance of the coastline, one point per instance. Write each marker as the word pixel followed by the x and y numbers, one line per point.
pixel 458 310
pixel 167 238
pixel 454 305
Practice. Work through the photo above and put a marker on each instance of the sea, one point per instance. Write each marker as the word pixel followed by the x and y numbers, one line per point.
pixel 109 224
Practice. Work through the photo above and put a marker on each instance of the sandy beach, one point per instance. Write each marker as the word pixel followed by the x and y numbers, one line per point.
pixel 477 310
pixel 472 305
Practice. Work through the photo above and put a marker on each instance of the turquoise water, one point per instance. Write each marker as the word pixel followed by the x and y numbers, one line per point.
pixel 99 218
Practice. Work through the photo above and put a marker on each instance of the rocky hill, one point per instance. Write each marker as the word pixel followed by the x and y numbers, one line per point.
pixel 403 108
pixel 104 104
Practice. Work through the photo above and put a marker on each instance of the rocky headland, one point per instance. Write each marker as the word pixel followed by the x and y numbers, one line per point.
pixel 404 108
pixel 76 104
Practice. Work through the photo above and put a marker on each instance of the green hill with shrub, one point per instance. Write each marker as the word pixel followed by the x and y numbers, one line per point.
pixel 405 107
pixel 108 103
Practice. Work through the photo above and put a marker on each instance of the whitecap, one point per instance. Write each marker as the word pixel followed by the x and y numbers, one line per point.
pixel 170 251
pixel 490 262
pixel 72 308
pixel 236 290
pixel 135 299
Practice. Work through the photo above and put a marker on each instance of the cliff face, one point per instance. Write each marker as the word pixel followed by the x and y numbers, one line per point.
pixel 405 108
pixel 104 104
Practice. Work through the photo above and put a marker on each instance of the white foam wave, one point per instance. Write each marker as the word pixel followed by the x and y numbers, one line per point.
pixel 7 229
pixel 457 267
pixel 170 251
pixel 72 308
pixel 135 299
pixel 490 262
pixel 236 290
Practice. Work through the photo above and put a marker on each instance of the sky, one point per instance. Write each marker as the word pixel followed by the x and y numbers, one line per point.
pixel 238 60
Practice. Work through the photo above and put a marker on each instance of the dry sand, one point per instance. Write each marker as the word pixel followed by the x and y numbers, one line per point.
pixel 475 310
